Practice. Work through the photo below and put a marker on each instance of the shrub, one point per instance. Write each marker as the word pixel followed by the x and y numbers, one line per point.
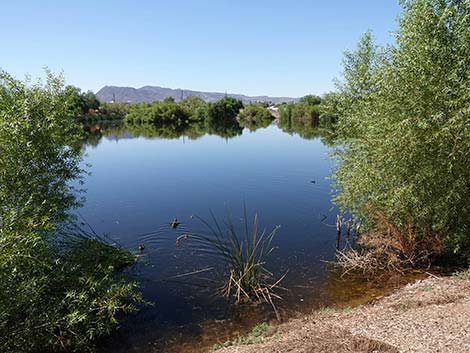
pixel 114 111
pixel 164 112
pixel 310 100
pixel 81 102
pixel 223 112
pixel 60 288
pixel 254 116
pixel 196 108
pixel 60 298
pixel 304 112
pixel 404 122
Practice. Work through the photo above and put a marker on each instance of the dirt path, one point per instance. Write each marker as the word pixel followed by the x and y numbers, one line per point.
pixel 431 315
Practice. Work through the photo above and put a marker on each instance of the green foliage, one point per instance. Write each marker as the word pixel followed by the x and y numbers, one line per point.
pixel 462 275
pixel 171 119
pixel 311 117
pixel 39 153
pixel 56 298
pixel 254 116
pixel 168 111
pixel 163 112
pixel 60 288
pixel 81 103
pixel 329 117
pixel 304 112
pixel 90 101
pixel 360 68
pixel 196 108
pixel 330 108
pixel 405 127
pixel 310 100
pixel 223 112
pixel 221 117
pixel 113 111
pixel 259 334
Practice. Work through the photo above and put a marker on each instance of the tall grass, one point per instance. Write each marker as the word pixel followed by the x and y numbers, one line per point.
pixel 245 256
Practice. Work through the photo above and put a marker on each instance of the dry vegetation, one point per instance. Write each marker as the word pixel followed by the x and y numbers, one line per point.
pixel 391 249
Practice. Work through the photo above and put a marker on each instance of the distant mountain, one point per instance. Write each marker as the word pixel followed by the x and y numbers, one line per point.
pixel 155 93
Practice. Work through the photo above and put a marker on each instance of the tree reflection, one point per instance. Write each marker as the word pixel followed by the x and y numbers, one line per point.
pixel 192 130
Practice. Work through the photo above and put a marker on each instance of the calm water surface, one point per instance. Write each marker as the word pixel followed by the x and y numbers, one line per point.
pixel 138 185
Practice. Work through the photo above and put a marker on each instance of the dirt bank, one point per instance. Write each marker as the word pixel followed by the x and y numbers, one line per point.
pixel 430 315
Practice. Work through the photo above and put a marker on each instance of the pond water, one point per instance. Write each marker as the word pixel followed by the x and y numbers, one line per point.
pixel 138 185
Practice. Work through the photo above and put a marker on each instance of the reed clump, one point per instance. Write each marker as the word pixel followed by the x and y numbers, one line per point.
pixel 245 255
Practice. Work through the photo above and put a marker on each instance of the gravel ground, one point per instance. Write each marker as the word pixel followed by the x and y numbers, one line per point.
pixel 430 315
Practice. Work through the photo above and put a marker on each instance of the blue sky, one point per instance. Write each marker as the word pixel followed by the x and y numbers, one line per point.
pixel 279 48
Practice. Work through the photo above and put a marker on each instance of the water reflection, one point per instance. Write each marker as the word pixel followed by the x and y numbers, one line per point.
pixel 190 130
pixel 325 130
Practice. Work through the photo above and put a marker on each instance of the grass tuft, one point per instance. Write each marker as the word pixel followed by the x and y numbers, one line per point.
pixel 462 275
pixel 245 256
pixel 259 334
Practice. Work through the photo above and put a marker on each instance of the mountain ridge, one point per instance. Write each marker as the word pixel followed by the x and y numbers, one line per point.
pixel 157 93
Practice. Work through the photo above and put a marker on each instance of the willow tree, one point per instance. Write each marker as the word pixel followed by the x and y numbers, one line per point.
pixel 403 164
pixel 59 287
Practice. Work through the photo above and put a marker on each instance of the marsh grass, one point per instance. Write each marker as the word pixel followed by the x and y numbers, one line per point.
pixel 245 256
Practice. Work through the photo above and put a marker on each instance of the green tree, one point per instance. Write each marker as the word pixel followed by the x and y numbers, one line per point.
pixel 80 103
pixel 60 287
pixel 310 100
pixel 90 101
pixel 168 111
pixel 254 116
pixel 222 117
pixel 195 108
pixel 404 122
pixel 39 152
pixel 114 111
pixel 298 116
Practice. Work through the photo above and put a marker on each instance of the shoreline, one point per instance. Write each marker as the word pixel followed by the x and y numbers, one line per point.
pixel 428 315
pixel 350 291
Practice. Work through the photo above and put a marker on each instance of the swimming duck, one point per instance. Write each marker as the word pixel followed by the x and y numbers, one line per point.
pixel 141 247
pixel 175 223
